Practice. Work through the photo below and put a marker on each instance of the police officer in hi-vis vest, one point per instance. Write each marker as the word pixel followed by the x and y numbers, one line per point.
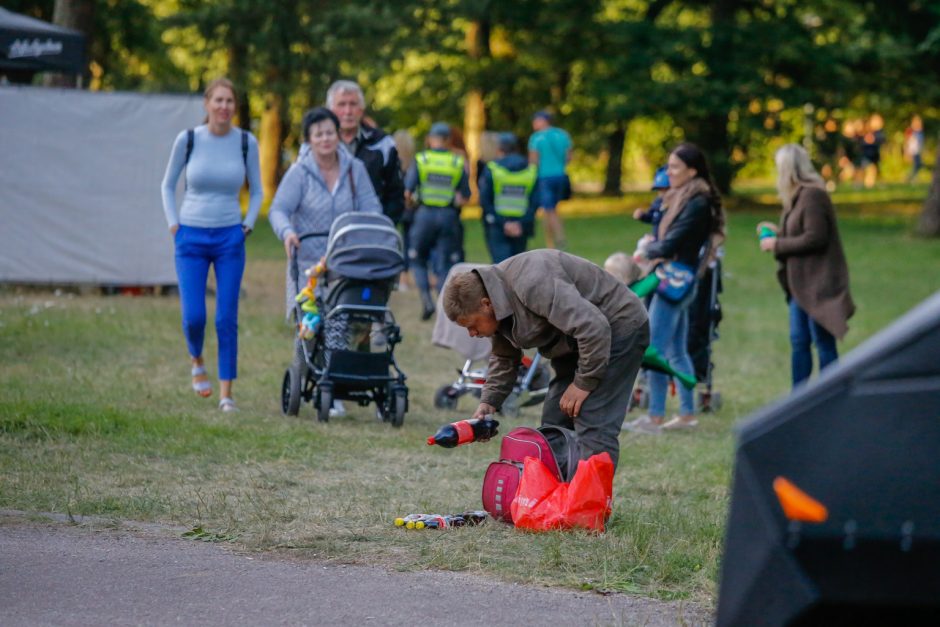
pixel 507 199
pixel 438 183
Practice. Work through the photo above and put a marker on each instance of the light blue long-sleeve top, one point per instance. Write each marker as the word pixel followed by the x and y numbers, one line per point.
pixel 214 177
pixel 303 204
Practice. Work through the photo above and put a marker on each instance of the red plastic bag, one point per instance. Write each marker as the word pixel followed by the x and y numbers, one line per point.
pixel 591 493
pixel 543 502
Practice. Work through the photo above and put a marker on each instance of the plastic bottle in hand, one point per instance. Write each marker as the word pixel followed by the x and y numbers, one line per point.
pixel 464 432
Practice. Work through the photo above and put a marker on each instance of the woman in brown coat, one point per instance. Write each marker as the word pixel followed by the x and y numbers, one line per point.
pixel 812 267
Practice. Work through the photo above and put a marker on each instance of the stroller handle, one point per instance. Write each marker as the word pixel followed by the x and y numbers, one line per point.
pixel 295 253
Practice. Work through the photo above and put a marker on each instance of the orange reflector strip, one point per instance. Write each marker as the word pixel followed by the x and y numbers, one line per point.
pixel 798 505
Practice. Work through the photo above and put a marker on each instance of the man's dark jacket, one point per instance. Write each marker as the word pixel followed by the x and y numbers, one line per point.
pixel 377 151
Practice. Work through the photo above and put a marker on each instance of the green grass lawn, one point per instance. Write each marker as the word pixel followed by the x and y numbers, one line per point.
pixel 97 418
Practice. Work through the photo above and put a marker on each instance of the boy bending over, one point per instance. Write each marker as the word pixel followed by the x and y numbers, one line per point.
pixel 591 326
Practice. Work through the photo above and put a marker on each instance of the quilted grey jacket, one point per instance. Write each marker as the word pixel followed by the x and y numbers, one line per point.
pixel 303 204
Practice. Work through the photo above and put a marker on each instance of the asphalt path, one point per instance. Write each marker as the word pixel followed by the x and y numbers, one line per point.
pixel 56 573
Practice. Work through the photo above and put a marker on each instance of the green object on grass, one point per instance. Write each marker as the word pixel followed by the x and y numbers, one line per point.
pixel 654 360
pixel 645 286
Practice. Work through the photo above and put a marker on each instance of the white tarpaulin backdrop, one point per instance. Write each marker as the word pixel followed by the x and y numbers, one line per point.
pixel 80 177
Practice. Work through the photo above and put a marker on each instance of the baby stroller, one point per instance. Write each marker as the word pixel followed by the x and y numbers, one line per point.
pixel 532 380
pixel 351 355
pixel 704 316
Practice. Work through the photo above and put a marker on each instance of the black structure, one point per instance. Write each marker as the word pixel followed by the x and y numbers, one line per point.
pixel 28 45
pixel 864 441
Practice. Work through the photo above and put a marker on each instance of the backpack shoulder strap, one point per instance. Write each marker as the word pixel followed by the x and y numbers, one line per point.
pixel 190 140
pixel 245 148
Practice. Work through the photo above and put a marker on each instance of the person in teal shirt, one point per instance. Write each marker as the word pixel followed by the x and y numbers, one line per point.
pixel 550 151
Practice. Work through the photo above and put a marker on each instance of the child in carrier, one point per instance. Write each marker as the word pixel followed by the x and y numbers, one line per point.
pixel 654 214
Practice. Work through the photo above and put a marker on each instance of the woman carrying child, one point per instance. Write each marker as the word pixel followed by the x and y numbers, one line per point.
pixel 692 218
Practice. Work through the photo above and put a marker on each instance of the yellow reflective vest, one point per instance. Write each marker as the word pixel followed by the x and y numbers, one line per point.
pixel 511 190
pixel 439 175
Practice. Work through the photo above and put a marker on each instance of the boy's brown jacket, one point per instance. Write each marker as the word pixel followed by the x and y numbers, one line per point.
pixel 562 305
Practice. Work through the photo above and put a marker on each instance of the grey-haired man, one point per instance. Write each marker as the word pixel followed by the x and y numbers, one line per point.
pixel 369 144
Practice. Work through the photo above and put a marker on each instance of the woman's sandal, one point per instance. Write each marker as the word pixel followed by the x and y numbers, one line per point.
pixel 201 387
pixel 227 404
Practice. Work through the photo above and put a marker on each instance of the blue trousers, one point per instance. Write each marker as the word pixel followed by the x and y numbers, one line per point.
pixel 224 249
pixel 500 246
pixel 669 333
pixel 804 331
pixel 434 226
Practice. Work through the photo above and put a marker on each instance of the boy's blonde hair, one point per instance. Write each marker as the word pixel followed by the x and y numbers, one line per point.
pixel 622 266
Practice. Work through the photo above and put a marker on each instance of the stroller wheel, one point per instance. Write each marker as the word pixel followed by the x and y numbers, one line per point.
pixel 400 400
pixel 444 398
pixel 290 391
pixel 324 401
pixel 640 397
pixel 706 401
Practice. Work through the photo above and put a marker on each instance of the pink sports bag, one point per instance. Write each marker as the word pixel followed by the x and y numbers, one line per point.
pixel 556 447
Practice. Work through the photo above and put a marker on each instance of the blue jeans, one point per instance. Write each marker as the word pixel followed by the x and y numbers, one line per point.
pixel 500 246
pixel 669 333
pixel 434 228
pixel 803 331
pixel 196 249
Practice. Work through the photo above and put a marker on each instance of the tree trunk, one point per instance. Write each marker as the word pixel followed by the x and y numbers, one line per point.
pixel 930 216
pixel 474 118
pixel 614 176
pixel 716 146
pixel 269 144
pixel 78 15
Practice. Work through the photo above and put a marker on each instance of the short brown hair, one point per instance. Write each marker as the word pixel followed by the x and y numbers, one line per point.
pixel 462 295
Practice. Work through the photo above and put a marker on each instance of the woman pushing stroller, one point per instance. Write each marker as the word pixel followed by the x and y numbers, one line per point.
pixel 323 184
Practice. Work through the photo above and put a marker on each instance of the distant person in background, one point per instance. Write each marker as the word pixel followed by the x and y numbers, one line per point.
pixel 405 143
pixel 438 185
pixel 871 141
pixel 914 146
pixel 457 145
pixel 507 198
pixel 209 230
pixel 850 146
pixel 550 152
pixel 828 140
pixel 812 270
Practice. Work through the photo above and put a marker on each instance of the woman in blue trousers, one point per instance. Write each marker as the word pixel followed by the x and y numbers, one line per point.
pixel 208 229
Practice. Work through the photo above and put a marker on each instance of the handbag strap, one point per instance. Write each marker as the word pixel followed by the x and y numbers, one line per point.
pixel 352 187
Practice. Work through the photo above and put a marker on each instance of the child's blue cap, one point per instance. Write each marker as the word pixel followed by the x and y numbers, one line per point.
pixel 661 179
